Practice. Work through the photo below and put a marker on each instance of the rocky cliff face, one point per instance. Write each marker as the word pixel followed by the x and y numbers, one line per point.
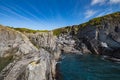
pixel 67 44
pixel 47 41
pixel 43 39
pixel 28 62
pixel 103 38
pixel 14 43
pixel 98 36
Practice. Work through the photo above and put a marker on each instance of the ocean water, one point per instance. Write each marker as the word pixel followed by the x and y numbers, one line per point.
pixel 88 67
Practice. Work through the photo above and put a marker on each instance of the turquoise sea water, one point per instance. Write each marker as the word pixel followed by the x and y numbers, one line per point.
pixel 88 67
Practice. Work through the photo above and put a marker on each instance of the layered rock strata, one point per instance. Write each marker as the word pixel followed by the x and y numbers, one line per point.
pixel 28 61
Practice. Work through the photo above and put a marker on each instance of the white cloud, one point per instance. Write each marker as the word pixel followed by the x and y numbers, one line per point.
pixel 104 12
pixel 98 2
pixel 89 13
pixel 114 1
pixel 94 2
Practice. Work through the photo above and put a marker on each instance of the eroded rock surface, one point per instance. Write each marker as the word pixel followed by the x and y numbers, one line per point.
pixel 29 62
pixel 44 39
pixel 104 38
pixel 14 43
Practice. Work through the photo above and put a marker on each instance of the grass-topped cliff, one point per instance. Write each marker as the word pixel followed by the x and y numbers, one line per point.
pixel 26 30
pixel 73 29
pixel 29 30
pixel 93 22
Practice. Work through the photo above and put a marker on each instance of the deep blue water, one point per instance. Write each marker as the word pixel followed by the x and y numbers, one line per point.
pixel 88 67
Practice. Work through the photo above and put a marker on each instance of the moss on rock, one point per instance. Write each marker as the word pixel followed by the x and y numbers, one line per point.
pixel 4 61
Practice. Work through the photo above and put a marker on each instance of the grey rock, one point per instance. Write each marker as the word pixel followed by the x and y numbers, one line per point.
pixel 13 42
pixel 30 62
pixel 103 38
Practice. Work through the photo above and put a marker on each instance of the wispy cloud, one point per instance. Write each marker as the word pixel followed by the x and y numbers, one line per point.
pixel 104 12
pixel 94 2
pixel 8 10
pixel 4 15
pixel 114 1
pixel 36 9
pixel 98 2
pixel 16 10
pixel 90 13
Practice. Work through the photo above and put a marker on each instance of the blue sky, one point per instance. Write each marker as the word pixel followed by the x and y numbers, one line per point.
pixel 51 14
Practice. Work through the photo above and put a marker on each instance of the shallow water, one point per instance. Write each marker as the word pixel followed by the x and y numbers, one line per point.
pixel 88 67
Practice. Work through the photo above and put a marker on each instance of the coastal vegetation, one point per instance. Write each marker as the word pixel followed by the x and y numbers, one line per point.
pixel 93 22
pixel 25 30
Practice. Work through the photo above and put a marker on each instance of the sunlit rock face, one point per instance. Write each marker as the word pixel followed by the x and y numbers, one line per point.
pixel 47 41
pixel 14 43
pixel 38 66
pixel 29 61
pixel 43 39
pixel 41 68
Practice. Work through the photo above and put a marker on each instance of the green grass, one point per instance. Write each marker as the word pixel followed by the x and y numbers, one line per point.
pixel 58 31
pixel 25 30
pixel 93 22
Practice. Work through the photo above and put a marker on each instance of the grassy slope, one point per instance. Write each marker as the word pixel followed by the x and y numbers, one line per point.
pixel 92 22
pixel 75 28
pixel 29 30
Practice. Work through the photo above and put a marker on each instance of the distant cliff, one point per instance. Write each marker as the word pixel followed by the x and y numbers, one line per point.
pixel 98 36
pixel 104 37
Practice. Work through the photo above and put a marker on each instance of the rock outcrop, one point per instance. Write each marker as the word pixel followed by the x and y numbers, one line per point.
pixel 28 61
pixel 103 38
pixel 43 39
pixel 47 41
pixel 67 44
pixel 14 43
pixel 98 36
pixel 37 66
